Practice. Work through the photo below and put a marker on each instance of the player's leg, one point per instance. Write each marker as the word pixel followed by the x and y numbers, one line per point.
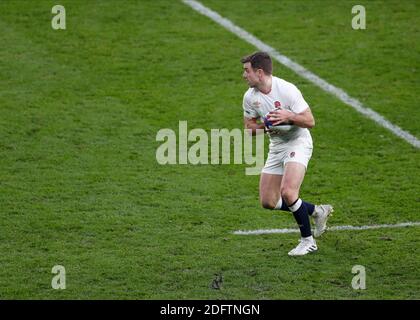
pixel 270 190
pixel 270 195
pixel 294 174
pixel 291 182
pixel 270 183
pixel 301 154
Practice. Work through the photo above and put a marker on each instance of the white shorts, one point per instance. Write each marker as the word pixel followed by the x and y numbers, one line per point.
pixel 299 151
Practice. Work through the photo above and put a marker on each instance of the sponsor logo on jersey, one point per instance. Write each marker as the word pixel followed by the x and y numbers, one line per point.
pixel 292 154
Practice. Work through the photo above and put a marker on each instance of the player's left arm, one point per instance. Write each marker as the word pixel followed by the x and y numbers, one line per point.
pixel 300 113
pixel 303 119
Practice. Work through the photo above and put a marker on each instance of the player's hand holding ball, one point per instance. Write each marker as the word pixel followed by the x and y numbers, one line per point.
pixel 279 117
pixel 278 120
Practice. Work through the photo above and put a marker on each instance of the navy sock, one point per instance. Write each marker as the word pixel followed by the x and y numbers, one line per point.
pixel 309 206
pixel 300 212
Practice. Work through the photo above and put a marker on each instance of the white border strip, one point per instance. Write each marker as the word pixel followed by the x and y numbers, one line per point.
pixel 335 228
pixel 303 72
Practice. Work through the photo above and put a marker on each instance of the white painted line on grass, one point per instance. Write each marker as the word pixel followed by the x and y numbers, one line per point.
pixel 303 72
pixel 335 228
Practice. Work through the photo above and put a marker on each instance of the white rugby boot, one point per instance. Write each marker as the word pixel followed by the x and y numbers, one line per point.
pixel 306 245
pixel 320 216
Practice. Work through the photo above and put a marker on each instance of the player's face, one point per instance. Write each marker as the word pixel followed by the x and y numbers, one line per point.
pixel 250 75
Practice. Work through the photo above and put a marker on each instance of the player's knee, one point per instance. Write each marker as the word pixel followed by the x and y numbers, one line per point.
pixel 289 194
pixel 267 204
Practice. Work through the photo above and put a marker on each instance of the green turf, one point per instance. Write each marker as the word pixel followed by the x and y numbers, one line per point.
pixel 81 187
pixel 381 61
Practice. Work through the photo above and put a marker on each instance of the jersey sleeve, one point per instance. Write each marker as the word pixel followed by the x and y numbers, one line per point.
pixel 249 111
pixel 297 102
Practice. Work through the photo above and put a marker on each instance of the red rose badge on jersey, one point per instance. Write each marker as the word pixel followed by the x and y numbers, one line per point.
pixel 277 104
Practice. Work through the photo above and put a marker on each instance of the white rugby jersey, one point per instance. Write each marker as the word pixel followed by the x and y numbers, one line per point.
pixel 285 95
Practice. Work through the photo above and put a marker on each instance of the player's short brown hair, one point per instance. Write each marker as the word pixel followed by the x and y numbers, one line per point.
pixel 259 60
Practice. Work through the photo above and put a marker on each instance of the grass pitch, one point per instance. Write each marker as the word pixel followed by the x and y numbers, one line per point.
pixel 80 185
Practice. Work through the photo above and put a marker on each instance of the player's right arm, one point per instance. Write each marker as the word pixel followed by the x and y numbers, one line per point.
pixel 251 116
pixel 251 124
